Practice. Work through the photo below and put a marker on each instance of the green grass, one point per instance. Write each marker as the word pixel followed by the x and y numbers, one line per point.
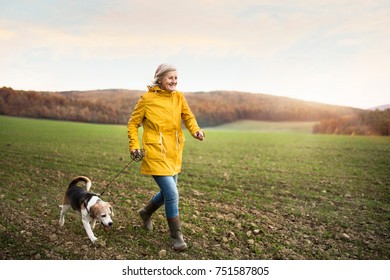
pixel 263 126
pixel 266 193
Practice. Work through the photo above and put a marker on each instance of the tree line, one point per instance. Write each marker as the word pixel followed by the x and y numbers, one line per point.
pixel 219 107
pixel 363 123
pixel 55 106
pixel 114 106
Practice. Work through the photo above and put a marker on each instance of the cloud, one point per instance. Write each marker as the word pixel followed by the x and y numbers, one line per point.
pixel 287 47
pixel 200 28
pixel 6 35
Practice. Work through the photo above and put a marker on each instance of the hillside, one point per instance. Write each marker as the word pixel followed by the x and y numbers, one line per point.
pixel 210 108
pixel 381 107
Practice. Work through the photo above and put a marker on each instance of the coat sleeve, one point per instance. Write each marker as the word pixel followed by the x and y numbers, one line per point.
pixel 134 123
pixel 188 117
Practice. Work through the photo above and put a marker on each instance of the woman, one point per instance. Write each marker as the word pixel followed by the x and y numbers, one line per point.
pixel 161 111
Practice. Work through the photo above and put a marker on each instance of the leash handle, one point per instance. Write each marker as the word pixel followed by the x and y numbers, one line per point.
pixel 137 155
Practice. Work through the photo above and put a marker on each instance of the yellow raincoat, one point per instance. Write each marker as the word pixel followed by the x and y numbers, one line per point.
pixel 160 113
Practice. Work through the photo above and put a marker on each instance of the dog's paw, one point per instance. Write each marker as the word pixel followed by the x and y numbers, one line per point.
pixel 100 243
pixel 94 240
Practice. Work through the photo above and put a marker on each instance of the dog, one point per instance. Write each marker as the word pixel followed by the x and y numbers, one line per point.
pixel 91 207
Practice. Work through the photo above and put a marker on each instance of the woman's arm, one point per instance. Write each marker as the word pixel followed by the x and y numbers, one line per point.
pixel 190 120
pixel 134 123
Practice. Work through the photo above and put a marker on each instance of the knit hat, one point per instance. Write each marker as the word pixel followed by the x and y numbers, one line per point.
pixel 162 69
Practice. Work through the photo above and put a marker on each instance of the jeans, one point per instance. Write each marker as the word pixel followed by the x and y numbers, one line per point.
pixel 168 195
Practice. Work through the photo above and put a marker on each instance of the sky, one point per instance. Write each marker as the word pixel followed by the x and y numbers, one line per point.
pixel 328 51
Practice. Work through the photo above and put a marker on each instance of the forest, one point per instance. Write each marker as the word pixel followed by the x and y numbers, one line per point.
pixel 363 123
pixel 114 106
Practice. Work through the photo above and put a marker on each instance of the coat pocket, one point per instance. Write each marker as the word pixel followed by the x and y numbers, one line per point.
pixel 154 148
pixel 153 151
pixel 179 140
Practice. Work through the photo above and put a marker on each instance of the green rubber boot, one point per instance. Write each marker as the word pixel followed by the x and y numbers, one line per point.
pixel 176 234
pixel 146 214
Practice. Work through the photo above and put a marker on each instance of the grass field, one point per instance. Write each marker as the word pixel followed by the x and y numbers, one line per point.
pixel 263 126
pixel 244 194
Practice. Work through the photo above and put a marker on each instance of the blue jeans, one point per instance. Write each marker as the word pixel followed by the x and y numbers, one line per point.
pixel 168 195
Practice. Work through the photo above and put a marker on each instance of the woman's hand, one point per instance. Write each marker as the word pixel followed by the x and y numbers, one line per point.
pixel 136 154
pixel 199 135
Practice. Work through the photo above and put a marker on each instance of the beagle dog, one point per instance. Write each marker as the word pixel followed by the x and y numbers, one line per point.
pixel 91 207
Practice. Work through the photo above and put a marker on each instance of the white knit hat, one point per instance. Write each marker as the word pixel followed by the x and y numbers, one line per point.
pixel 162 69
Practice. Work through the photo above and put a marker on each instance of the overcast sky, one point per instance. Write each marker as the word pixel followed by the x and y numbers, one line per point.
pixel 328 51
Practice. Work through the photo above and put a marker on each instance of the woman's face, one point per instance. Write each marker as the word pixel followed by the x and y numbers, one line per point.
pixel 169 81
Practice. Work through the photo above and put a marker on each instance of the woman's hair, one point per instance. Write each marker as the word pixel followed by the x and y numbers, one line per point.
pixel 162 69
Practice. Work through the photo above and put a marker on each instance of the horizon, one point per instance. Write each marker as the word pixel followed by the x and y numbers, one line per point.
pixel 330 52
pixel 202 91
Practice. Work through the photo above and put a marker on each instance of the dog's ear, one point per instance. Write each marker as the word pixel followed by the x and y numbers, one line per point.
pixel 111 209
pixel 93 211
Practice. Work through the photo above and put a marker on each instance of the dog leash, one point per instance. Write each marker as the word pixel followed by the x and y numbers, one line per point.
pixel 134 157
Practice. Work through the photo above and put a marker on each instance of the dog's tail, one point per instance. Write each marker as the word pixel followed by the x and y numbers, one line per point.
pixel 87 181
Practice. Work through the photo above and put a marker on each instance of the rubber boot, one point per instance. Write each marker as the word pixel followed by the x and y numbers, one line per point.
pixel 177 236
pixel 146 214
